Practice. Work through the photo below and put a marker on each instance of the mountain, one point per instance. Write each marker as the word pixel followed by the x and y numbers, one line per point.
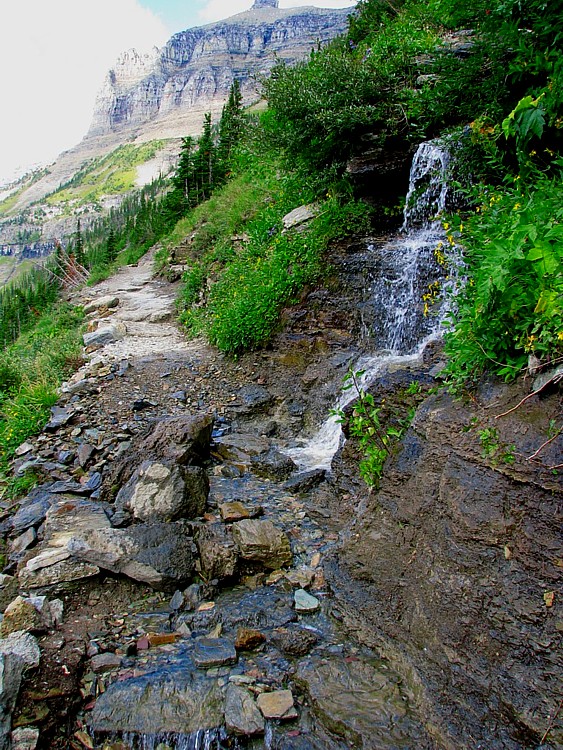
pixel 169 89
pixel 163 95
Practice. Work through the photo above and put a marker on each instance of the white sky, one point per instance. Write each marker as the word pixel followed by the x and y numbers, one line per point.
pixel 54 55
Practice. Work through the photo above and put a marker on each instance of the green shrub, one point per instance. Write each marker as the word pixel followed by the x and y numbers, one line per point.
pixel 512 303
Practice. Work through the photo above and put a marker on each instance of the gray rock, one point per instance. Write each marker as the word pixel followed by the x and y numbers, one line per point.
pixel 300 215
pixel 160 554
pixel 213 652
pixel 23 645
pixel 105 335
pixel 105 662
pixel 262 542
pixel 85 453
pixel 305 603
pixel 273 465
pixel 64 572
pixel 255 398
pixel 31 514
pixel 9 588
pixel 305 481
pixel 217 551
pixel 21 543
pixel 170 700
pixel 184 440
pixel 11 671
pixel 20 615
pixel 108 301
pixel 59 418
pixel 232 447
pixel 293 640
pixel 242 715
pixel 177 602
pixel 163 491
pixel 46 558
pixel 25 738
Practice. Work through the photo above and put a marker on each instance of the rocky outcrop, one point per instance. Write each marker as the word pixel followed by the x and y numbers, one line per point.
pixel 454 565
pixel 194 71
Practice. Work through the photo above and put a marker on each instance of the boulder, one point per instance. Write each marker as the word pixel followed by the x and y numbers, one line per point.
pixel 273 465
pixel 105 335
pixel 20 615
pixel 299 216
pixel 294 640
pixel 164 491
pixel 24 646
pixel 242 715
pixel 218 553
pixel 262 542
pixel 108 301
pixel 159 554
pixel 11 671
pixel 184 440
pixel 172 700
pixel 25 738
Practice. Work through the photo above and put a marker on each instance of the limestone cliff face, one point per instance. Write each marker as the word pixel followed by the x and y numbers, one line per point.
pixel 193 72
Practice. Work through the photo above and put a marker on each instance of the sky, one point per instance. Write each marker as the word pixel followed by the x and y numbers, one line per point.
pixel 54 55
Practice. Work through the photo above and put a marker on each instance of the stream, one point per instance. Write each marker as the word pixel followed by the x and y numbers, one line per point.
pixel 193 690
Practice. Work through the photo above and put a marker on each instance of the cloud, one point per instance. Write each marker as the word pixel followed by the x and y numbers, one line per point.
pixel 215 10
pixel 53 57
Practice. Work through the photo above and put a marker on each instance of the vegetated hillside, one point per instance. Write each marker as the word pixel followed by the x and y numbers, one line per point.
pixel 456 540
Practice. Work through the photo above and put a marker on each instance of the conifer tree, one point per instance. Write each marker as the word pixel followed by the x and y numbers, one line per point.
pixel 230 129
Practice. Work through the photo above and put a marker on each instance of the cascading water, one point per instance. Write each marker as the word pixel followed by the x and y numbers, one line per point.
pixel 393 314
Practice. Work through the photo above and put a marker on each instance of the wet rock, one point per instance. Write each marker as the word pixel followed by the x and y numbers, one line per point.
pixel 305 481
pixel 355 700
pixel 59 418
pixel 242 715
pixel 294 640
pixel 305 603
pixel 232 447
pixel 171 700
pixel 255 398
pixel 217 551
pixel 213 652
pixel 23 645
pixel 20 615
pixel 105 662
pixel 234 511
pixel 262 542
pixel 160 491
pixel 273 465
pixel 248 639
pixel 160 554
pixel 277 705
pixel 108 301
pixel 178 601
pixel 25 738
pixel 105 335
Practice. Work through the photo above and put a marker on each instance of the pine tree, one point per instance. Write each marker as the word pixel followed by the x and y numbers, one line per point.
pixel 78 245
pixel 111 246
pixel 204 161
pixel 230 129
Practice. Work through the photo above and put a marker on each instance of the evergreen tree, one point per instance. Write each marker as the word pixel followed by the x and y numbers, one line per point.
pixel 111 246
pixel 204 161
pixel 78 245
pixel 230 128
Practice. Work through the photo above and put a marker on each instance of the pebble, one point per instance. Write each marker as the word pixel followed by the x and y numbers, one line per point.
pixel 277 705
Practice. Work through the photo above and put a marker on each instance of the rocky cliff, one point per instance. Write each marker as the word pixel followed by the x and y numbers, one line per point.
pixel 171 87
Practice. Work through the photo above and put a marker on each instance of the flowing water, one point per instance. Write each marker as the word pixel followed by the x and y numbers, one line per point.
pixel 162 700
pixel 393 315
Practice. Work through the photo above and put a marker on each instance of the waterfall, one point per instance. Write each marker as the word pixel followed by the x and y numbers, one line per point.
pixel 393 315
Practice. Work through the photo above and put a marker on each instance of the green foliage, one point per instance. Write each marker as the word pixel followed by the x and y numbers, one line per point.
pixel 493 448
pixel 30 371
pixel 245 269
pixel 376 427
pixel 512 305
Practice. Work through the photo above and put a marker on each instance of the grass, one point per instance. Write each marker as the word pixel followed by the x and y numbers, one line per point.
pixel 243 267
pixel 113 174
pixel 31 369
